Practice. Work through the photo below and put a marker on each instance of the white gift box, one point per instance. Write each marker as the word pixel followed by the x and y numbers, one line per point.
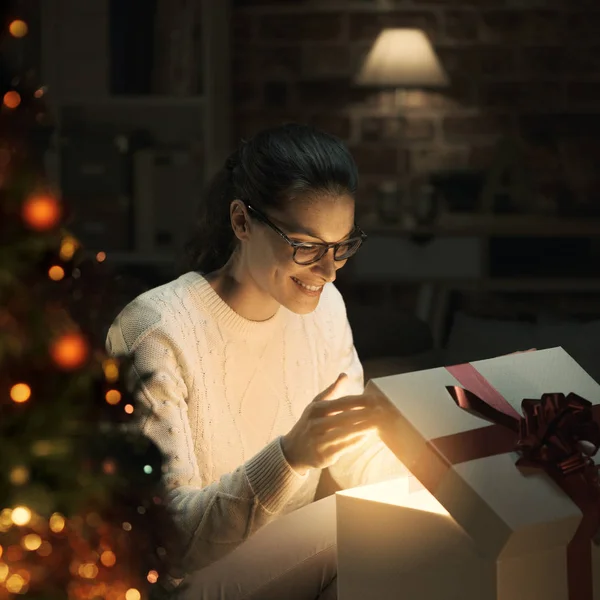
pixel 474 526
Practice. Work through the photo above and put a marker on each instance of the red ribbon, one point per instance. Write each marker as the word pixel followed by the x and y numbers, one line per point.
pixel 552 434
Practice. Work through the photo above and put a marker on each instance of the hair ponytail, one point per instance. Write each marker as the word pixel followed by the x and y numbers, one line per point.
pixel 212 241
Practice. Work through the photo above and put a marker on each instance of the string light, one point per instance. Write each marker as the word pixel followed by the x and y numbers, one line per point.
pixel 19 475
pixel 69 351
pixel 56 273
pixel 20 515
pixel 101 257
pixel 108 558
pixel 132 594
pixel 57 523
pixel 11 99
pixel 67 248
pixel 15 584
pixel 18 28
pixel 111 370
pixel 20 392
pixel 31 542
pixel 152 576
pixel 41 212
pixel 129 409
pixel 113 397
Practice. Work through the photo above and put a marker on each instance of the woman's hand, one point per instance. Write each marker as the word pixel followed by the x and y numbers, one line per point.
pixel 329 428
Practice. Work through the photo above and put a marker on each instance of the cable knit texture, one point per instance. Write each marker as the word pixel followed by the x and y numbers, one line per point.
pixel 222 392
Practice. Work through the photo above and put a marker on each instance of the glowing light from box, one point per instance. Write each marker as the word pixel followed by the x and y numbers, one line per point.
pixel 398 493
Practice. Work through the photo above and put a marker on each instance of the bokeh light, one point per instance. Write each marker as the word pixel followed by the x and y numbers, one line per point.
pixel 20 392
pixel 128 409
pixel 18 28
pixel 11 99
pixel 57 523
pixel 69 351
pixel 41 212
pixel 132 594
pixel 108 558
pixel 152 576
pixel 113 397
pixel 101 257
pixel 20 515
pixel 67 247
pixel 31 542
pixel 19 475
pixel 111 369
pixel 56 273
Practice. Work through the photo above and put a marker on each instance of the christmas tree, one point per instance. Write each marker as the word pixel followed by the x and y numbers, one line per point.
pixel 79 511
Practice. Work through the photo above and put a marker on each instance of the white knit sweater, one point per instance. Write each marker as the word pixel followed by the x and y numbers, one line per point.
pixel 222 393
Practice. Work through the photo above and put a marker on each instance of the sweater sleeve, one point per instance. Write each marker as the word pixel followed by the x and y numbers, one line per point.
pixel 211 520
pixel 372 461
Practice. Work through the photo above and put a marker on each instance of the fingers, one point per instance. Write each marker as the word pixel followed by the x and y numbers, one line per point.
pixel 334 388
pixel 331 407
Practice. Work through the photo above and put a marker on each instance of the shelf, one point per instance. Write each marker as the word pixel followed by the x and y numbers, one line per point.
pixel 144 100
pixel 474 225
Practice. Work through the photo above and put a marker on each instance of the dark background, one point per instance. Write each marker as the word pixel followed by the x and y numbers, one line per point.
pixel 145 98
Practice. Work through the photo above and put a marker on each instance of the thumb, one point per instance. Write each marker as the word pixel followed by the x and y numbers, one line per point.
pixel 330 392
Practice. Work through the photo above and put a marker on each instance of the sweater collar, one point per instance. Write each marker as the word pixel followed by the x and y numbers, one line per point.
pixel 224 314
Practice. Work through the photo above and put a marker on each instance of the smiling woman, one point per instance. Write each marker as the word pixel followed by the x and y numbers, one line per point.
pixel 256 385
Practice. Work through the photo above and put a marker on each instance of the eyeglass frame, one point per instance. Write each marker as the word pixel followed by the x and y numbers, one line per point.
pixel 296 245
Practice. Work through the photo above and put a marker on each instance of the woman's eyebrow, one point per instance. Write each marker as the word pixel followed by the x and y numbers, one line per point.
pixel 307 232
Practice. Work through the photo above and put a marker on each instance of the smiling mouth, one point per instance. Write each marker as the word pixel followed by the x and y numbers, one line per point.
pixel 309 288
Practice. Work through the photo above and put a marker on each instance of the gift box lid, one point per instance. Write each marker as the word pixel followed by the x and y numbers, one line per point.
pixel 469 465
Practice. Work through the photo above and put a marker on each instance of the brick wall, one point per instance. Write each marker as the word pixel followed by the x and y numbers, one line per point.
pixel 517 67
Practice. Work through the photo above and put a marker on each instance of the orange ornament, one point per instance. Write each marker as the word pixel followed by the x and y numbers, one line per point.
pixel 41 212
pixel 69 351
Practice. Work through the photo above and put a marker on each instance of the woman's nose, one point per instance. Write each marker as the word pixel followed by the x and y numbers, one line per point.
pixel 327 266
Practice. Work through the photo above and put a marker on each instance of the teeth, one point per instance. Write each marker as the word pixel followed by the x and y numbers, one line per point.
pixel 312 288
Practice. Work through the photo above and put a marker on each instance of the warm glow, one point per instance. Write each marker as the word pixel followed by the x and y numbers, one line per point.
pixel 108 558
pixel 20 392
pixel 20 515
pixel 67 248
pixel 15 584
pixel 132 594
pixel 12 99
pixel 402 57
pixel 57 523
pixel 18 28
pixel 101 256
pixel 45 549
pixel 127 526
pixel 41 212
pixel 40 92
pixel 31 541
pixel 88 571
pixel 152 576
pixel 113 397
pixel 5 519
pixel 3 572
pixel 111 370
pixel 398 493
pixel 69 351
pixel 56 273
pixel 129 409
pixel 19 475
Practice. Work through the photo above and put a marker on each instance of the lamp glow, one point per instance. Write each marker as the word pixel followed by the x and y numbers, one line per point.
pixel 402 58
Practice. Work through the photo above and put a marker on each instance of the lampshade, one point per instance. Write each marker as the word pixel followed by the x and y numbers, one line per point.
pixel 402 57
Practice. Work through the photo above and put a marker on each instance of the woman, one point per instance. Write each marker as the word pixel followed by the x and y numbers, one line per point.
pixel 255 375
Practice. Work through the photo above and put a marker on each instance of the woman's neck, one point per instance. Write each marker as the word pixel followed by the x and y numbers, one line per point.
pixel 241 293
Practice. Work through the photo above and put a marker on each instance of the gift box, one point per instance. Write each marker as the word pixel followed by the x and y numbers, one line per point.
pixel 502 501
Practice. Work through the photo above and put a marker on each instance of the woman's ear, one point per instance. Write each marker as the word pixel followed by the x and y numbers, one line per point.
pixel 239 220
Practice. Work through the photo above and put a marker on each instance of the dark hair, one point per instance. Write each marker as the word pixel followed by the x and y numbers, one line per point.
pixel 274 167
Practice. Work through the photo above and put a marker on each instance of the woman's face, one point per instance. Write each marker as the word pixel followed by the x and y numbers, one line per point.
pixel 268 257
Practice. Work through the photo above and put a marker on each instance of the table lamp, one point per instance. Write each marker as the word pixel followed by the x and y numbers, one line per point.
pixel 402 59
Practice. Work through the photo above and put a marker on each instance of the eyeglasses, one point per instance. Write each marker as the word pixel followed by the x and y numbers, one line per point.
pixel 307 253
